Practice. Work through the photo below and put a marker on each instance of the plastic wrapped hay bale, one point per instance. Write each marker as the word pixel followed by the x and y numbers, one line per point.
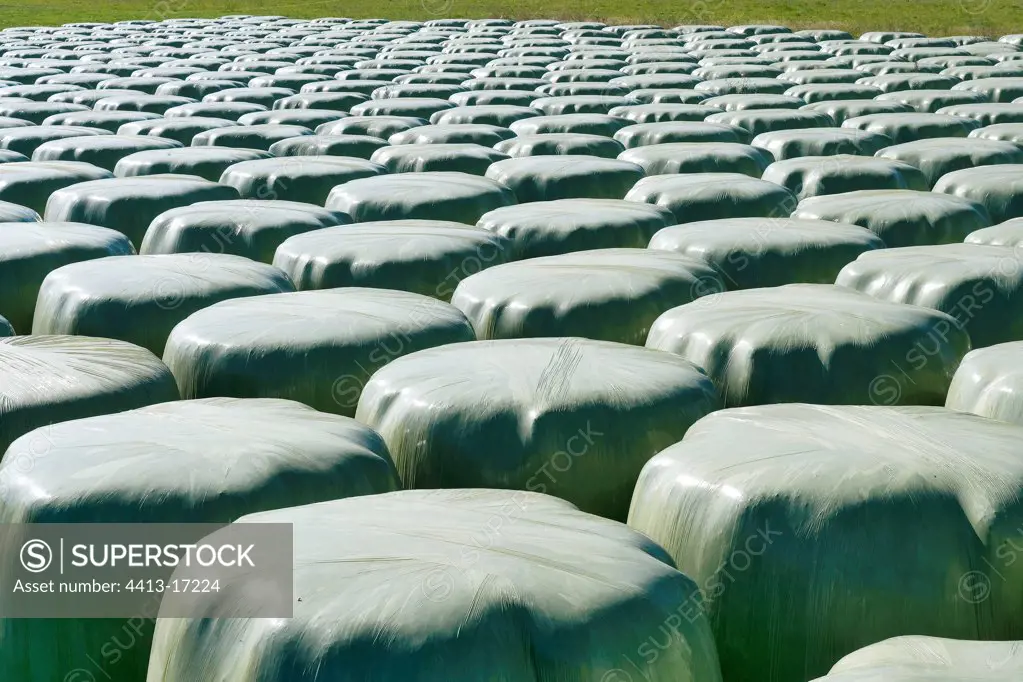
pixel 29 252
pixel 998 188
pixel 912 658
pixel 26 140
pixel 249 137
pixel 316 347
pixel 989 383
pixel 560 144
pixel 103 151
pixel 606 294
pixel 249 228
pixel 790 144
pixel 980 286
pixel 708 196
pixel 900 217
pixel 208 163
pixel 574 418
pixel 427 257
pixel 579 593
pixel 758 121
pixel 453 133
pixel 182 129
pixel 108 120
pixel 642 134
pixel 417 158
pixel 128 205
pixel 358 146
pixel 83 377
pixel 843 110
pixel 810 176
pixel 549 228
pixel 307 179
pixel 699 157
pixel 769 252
pixel 139 299
pixel 11 212
pixel 909 127
pixel 832 345
pixel 30 183
pixel 1009 233
pixel 197 461
pixel 546 178
pixel 436 195
pixel 799 499
pixel 939 156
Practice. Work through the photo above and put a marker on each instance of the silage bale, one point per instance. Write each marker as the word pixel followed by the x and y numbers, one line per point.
pixel 606 294
pixel 197 461
pixel 560 144
pixel 417 107
pixel 837 341
pixel 102 151
pixel 36 112
pixel 85 377
pixel 139 299
pixel 914 657
pixel 708 196
pixel 265 96
pixel 988 383
pixel 30 251
pixel 790 144
pixel 30 183
pixel 936 157
pixel 309 118
pixel 435 195
pixel 375 126
pixel 642 134
pixel 128 205
pixel 768 252
pixel 993 89
pixel 699 157
pixel 249 228
pixel 206 162
pixel 413 158
pixel 986 114
pixel 358 146
pixel 581 124
pixel 453 133
pixel 909 127
pixel 930 101
pixel 900 217
pixel 316 347
pixel 842 110
pixel 758 121
pixel 1009 233
pixel 888 473
pixel 26 140
pixel 545 178
pixel 746 102
pixel 998 188
pixel 980 286
pixel 810 176
pixel 436 408
pixel 351 555
pixel 157 104
pixel 230 111
pixel 107 120
pixel 427 257
pixel 502 115
pixel 308 179
pixel 248 137
pixel 578 104
pixel 1010 132
pixel 658 113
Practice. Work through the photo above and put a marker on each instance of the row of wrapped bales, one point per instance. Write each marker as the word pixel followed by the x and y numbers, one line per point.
pixel 564 270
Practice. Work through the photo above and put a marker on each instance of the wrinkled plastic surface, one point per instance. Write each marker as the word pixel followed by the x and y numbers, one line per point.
pixel 316 347
pixel 247 227
pixel 428 257
pixel 51 379
pixel 807 497
pixel 769 252
pixel 577 592
pixel 606 294
pixel 815 343
pixel 139 299
pixel 930 659
pixel 569 417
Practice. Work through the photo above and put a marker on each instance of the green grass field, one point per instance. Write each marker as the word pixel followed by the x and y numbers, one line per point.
pixel 933 17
